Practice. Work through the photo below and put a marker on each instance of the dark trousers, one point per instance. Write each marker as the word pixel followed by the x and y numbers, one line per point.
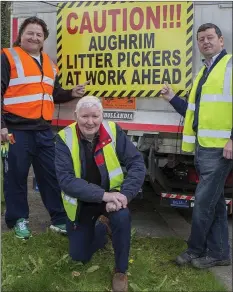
pixel 209 231
pixel 36 148
pixel 86 237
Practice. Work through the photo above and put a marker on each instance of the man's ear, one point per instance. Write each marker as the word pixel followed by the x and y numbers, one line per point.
pixel 221 39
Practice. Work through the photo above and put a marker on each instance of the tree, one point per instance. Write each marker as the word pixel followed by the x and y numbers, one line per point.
pixel 5 23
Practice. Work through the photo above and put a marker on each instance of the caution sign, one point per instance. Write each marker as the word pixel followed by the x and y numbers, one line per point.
pixel 126 49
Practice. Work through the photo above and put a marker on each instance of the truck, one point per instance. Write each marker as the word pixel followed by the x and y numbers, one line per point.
pixel 156 128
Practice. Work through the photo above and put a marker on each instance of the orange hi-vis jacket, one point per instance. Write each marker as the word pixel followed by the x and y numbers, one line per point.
pixel 29 94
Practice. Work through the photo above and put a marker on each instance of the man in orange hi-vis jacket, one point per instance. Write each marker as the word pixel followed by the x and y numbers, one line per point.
pixel 29 89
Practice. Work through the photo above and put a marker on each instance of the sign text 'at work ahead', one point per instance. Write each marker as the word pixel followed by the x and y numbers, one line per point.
pixel 124 46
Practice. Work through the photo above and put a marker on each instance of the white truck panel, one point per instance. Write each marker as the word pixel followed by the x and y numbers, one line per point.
pixel 30 8
pixel 219 13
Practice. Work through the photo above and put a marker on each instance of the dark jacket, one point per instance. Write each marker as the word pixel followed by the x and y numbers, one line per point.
pixel 180 105
pixel 80 188
pixel 12 121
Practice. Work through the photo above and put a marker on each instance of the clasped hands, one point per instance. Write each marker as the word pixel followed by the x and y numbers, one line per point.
pixel 115 201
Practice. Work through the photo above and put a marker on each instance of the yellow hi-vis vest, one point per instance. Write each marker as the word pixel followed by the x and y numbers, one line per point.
pixel 215 111
pixel 116 177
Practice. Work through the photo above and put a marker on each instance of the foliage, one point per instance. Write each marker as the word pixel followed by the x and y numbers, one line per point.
pixel 42 263
pixel 5 23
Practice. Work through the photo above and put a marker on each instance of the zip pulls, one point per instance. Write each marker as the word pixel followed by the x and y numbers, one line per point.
pixel 42 76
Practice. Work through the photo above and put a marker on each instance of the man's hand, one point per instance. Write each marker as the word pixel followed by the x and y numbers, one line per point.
pixel 166 92
pixel 117 198
pixel 110 207
pixel 122 198
pixel 4 135
pixel 79 90
pixel 227 151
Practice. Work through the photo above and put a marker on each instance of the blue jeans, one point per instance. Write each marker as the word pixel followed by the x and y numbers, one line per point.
pixel 209 231
pixel 36 148
pixel 86 237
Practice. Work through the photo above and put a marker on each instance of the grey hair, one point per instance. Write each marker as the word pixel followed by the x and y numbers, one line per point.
pixel 88 101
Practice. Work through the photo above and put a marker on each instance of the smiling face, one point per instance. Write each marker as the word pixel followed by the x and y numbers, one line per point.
pixel 209 43
pixel 89 120
pixel 32 39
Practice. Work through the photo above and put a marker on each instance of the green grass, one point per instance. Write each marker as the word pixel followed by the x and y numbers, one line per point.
pixel 42 264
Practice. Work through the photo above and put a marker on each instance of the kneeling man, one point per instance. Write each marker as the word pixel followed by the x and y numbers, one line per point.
pixel 89 155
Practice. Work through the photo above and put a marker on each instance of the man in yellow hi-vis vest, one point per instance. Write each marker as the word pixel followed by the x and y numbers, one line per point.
pixel 208 132
pixel 89 155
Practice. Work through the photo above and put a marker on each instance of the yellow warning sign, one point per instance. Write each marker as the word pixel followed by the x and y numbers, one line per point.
pixel 125 48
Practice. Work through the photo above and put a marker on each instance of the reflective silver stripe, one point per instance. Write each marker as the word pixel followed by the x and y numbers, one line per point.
pixel 27 98
pixel 115 172
pixel 228 79
pixel 48 97
pixel 191 106
pixel 48 80
pixel 214 133
pixel 24 80
pixel 31 79
pixel 69 138
pixel 18 63
pixel 216 98
pixel 227 94
pixel 189 139
pixel 108 129
pixel 70 200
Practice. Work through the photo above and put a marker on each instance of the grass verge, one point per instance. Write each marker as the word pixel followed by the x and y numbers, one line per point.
pixel 42 264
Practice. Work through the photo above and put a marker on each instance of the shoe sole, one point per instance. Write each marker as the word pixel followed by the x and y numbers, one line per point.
pixel 58 230
pixel 214 264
